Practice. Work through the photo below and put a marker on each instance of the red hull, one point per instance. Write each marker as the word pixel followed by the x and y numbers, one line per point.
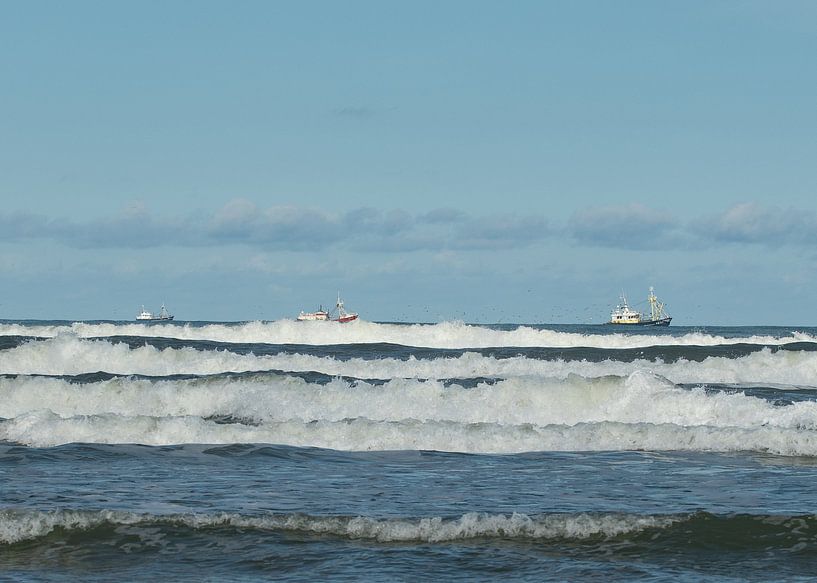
pixel 348 318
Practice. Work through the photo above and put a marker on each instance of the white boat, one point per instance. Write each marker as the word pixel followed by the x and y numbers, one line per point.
pixel 625 315
pixel 318 316
pixel 162 315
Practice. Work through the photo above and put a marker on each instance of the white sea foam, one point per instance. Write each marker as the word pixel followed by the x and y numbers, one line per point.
pixel 637 398
pixel 442 335
pixel 44 429
pixel 23 525
pixel 536 405
pixel 67 354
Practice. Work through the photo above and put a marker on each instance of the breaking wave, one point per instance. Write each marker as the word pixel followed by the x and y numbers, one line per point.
pixel 373 399
pixel 637 398
pixel 794 534
pixel 442 335
pixel 19 525
pixel 44 429
pixel 69 355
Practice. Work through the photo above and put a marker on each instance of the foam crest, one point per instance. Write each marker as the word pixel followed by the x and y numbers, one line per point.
pixel 23 525
pixel 44 429
pixel 19 525
pixel 637 398
pixel 442 335
pixel 69 355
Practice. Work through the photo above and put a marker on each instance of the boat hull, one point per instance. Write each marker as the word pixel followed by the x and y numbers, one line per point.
pixel 661 322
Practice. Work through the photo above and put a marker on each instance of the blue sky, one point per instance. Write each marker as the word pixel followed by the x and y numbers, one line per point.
pixel 483 161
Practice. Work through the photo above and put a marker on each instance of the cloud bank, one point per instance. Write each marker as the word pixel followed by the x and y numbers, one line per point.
pixel 630 226
pixel 290 228
pixel 304 229
pixel 753 223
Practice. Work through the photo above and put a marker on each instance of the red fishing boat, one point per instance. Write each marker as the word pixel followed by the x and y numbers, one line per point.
pixel 339 314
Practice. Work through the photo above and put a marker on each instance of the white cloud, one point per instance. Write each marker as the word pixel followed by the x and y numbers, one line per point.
pixel 629 226
pixel 752 223
pixel 296 228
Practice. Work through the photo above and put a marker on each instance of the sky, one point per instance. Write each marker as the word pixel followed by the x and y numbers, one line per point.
pixel 488 162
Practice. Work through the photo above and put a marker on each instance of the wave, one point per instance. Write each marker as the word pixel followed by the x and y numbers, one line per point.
pixel 44 429
pixel 443 335
pixel 22 525
pixel 69 355
pixel 637 398
pixel 792 533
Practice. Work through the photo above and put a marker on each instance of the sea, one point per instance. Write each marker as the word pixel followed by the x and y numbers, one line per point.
pixel 311 451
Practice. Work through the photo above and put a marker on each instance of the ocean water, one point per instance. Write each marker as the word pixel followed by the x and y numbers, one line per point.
pixel 310 451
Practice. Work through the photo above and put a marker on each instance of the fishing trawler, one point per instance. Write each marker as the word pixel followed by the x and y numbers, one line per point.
pixel 162 315
pixel 318 316
pixel 625 315
pixel 339 314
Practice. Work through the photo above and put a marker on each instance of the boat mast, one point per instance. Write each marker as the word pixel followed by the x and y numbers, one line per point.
pixel 339 306
pixel 656 307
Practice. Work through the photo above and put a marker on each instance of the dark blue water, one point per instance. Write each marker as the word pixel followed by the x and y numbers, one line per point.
pixel 243 452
